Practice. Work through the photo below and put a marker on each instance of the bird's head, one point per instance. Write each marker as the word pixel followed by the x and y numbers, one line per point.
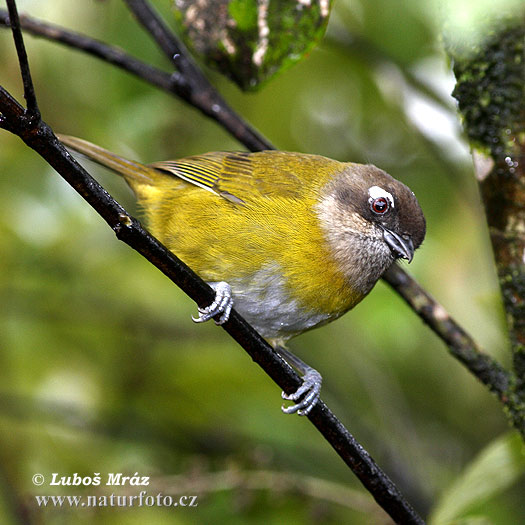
pixel 370 219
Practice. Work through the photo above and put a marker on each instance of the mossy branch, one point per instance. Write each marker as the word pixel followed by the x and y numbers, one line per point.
pixel 490 91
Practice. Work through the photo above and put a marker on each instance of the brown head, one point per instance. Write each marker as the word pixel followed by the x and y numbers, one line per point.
pixel 370 219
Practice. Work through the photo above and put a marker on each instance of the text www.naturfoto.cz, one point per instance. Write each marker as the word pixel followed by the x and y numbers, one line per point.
pixel 115 500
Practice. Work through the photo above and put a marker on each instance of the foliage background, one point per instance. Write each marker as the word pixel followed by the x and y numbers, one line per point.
pixel 101 368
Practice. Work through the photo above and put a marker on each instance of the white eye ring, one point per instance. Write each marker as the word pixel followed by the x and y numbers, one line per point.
pixel 375 192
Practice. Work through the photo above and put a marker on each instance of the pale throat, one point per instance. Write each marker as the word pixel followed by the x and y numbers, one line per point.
pixel 357 244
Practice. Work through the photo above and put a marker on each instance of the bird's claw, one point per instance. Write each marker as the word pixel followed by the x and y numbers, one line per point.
pixel 308 394
pixel 222 304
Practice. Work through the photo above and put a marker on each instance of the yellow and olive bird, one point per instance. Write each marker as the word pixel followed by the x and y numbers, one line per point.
pixel 292 241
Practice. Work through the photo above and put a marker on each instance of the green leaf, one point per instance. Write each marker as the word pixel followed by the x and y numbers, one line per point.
pixel 251 41
pixel 497 467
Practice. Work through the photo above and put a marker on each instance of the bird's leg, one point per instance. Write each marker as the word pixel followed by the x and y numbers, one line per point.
pixel 310 389
pixel 308 392
pixel 222 304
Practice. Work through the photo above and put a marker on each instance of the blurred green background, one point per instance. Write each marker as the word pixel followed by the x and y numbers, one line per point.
pixel 101 368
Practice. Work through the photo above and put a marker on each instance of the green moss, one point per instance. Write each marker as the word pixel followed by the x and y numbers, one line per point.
pixel 490 90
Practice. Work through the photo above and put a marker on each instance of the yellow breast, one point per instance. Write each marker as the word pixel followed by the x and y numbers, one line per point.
pixel 268 242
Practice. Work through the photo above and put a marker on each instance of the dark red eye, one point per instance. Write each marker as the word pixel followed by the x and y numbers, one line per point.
pixel 380 205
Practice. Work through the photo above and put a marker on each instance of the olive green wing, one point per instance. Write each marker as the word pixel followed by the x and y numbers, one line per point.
pixel 241 177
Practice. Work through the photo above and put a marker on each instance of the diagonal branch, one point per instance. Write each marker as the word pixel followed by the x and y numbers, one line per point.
pixel 201 93
pixel 29 91
pixel 190 86
pixel 460 343
pixel 172 47
pixel 500 382
pixel 112 54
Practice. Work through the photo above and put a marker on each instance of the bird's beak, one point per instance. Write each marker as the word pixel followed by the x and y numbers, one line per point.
pixel 401 246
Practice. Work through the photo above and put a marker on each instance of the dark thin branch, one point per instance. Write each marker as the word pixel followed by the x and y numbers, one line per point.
pixel 201 93
pixel 39 136
pixel 29 90
pixel 174 50
pixel 195 90
pixel 461 344
pixel 112 54
pixel 11 109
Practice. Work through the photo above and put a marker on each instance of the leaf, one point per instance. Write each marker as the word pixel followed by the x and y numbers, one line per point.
pixel 251 41
pixel 497 467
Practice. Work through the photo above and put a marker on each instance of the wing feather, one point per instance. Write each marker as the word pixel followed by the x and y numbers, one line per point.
pixel 240 177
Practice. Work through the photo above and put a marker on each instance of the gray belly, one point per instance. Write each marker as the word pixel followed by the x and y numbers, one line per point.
pixel 266 304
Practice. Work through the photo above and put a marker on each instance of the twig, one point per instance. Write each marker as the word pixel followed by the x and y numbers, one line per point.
pixel 460 343
pixel 29 91
pixel 40 137
pixel 499 381
pixel 201 93
pixel 193 89
pixel 274 481
pixel 169 43
pixel 173 83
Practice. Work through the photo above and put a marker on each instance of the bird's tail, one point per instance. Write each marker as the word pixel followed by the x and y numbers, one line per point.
pixel 135 173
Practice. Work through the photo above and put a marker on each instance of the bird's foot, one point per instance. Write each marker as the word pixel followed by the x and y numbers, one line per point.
pixel 222 304
pixel 307 394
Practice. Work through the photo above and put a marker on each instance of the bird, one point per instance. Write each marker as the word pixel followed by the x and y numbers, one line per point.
pixel 291 240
